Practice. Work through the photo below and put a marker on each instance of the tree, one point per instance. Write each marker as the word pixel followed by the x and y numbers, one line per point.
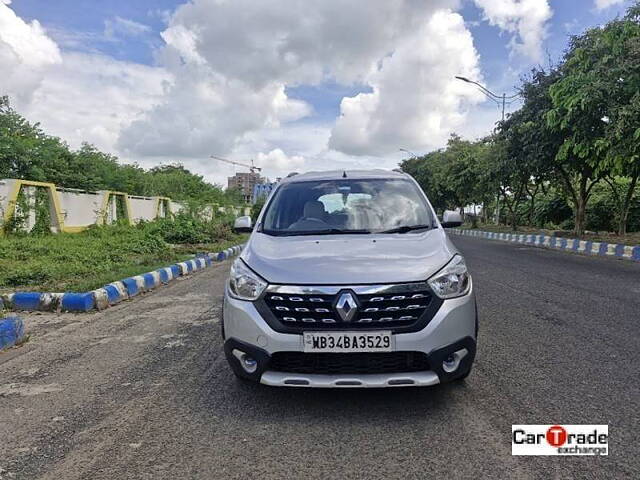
pixel 460 171
pixel 19 142
pixel 456 175
pixel 505 173
pixel 487 183
pixel 580 101
pixel 177 182
pixel 597 106
pixel 525 148
pixel 619 67
pixel 431 172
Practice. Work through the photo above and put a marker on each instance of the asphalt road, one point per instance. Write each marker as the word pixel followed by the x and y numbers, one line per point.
pixel 142 390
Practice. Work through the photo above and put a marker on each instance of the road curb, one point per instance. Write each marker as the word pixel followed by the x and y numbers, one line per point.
pixel 587 247
pixel 114 292
pixel 11 331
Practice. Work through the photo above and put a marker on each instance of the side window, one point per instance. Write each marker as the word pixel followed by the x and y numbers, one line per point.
pixel 332 202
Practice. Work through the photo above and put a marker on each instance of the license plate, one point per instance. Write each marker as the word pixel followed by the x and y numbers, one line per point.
pixel 343 342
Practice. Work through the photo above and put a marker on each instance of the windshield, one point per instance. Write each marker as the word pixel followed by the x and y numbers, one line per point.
pixel 346 206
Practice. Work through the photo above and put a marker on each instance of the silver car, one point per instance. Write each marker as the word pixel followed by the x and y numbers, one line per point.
pixel 349 280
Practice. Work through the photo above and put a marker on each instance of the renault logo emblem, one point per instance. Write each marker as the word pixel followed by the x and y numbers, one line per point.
pixel 346 306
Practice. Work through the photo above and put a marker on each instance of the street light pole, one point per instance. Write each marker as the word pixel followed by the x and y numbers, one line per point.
pixel 501 100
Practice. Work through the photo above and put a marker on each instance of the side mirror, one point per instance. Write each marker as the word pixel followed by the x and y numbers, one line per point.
pixel 451 219
pixel 243 225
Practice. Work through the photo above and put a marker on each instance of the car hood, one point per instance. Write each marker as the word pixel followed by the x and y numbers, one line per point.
pixel 348 259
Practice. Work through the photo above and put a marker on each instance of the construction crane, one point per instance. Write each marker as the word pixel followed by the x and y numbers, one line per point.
pixel 252 168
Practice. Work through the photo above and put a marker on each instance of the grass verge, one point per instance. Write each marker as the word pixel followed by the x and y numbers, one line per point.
pixel 91 259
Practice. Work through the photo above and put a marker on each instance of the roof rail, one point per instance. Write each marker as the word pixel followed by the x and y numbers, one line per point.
pixel 292 174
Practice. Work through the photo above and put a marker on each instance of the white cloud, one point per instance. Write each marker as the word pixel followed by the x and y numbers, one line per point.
pixel 118 26
pixel 602 4
pixel 89 97
pixel 205 113
pixel 25 53
pixel 525 19
pixel 222 76
pixel 279 161
pixel 416 101
pixel 77 96
pixel 233 60
pixel 295 41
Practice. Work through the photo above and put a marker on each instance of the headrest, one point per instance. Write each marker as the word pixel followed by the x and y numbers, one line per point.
pixel 314 209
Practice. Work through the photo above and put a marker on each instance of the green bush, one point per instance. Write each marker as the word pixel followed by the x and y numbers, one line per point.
pixel 187 228
pixel 601 215
pixel 552 208
pixel 567 224
pixel 87 260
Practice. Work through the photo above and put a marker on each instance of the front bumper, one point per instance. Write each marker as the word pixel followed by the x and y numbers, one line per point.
pixel 371 380
pixel 453 328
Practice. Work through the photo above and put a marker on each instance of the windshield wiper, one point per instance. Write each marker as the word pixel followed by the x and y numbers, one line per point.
pixel 324 231
pixel 406 228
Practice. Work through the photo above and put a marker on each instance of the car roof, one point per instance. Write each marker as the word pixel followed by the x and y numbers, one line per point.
pixel 342 174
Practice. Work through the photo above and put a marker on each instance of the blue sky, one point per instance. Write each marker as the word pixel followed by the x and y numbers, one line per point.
pixel 291 83
pixel 570 17
pixel 78 17
pixel 89 17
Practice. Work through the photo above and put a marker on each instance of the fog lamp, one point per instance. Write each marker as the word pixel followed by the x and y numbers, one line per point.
pixel 248 363
pixel 452 361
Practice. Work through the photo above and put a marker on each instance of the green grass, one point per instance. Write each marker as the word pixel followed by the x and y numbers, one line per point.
pixel 91 259
pixel 193 248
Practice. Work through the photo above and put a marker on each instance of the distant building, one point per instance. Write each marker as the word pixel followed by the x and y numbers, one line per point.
pixel 262 190
pixel 245 182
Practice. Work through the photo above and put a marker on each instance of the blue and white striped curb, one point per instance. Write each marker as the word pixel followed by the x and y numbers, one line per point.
pixel 572 244
pixel 11 331
pixel 114 292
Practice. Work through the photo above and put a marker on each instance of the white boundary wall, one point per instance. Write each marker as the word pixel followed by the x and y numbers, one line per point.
pixel 80 208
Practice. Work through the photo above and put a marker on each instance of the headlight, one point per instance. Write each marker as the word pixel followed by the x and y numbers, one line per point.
pixel 453 280
pixel 243 283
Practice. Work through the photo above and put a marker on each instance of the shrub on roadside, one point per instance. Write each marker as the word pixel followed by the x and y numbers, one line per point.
pixel 187 228
pixel 102 254
pixel 67 261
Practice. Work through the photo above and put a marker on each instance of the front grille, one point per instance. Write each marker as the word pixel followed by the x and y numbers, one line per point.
pixel 349 363
pixel 302 311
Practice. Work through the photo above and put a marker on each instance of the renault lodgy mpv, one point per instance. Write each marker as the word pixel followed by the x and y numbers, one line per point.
pixel 349 280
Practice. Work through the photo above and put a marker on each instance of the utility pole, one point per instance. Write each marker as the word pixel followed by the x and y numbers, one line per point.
pixel 501 100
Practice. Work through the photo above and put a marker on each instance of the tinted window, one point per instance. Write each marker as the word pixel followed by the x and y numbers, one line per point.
pixel 345 205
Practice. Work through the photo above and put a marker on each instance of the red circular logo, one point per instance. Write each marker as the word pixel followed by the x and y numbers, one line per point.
pixel 556 436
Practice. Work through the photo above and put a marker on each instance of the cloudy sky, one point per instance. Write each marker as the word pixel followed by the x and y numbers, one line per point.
pixel 293 84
